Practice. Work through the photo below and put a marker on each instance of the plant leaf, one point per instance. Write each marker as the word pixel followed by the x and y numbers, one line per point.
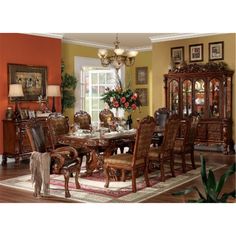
pixel 183 192
pixel 226 195
pixel 203 170
pixel 224 178
pixel 199 193
pixel 211 181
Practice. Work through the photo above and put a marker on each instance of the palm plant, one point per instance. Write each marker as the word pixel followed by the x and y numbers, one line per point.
pixel 212 187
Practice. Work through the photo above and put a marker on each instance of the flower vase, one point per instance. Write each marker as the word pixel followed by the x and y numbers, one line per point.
pixel 119 113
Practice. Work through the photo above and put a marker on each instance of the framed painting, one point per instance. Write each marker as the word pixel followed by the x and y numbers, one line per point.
pixel 32 78
pixel 142 75
pixel 177 54
pixel 143 96
pixel 216 51
pixel 196 52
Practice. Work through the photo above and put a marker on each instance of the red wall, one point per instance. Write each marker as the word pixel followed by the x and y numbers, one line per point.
pixel 28 50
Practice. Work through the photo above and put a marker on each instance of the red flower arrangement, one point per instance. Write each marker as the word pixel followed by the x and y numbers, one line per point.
pixel 117 98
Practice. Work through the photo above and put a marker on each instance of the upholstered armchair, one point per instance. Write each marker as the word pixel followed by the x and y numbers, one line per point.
pixel 63 160
pixel 83 119
pixel 58 125
pixel 165 151
pixel 186 144
pixel 137 160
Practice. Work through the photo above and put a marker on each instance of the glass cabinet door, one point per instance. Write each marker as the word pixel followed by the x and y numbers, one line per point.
pixel 214 99
pixel 187 98
pixel 200 97
pixel 174 96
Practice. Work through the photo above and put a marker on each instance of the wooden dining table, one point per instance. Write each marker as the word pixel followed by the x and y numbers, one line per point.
pixel 97 145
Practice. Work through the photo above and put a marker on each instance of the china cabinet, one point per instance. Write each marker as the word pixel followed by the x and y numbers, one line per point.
pixel 207 90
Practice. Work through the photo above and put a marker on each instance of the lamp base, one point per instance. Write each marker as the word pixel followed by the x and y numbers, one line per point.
pixel 53 105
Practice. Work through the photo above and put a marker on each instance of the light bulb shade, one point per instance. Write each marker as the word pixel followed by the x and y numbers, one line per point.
pixel 119 51
pixel 132 53
pixel 53 91
pixel 15 90
pixel 102 52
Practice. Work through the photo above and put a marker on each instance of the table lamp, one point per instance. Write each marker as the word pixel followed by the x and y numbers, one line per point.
pixel 16 91
pixel 53 91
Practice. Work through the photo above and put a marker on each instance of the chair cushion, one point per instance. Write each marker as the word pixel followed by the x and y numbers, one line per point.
pixel 122 159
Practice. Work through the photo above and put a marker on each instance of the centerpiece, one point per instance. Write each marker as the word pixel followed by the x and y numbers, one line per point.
pixel 119 98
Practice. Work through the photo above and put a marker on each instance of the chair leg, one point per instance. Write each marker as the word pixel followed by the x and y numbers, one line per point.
pixel 134 181
pixel 192 160
pixel 67 177
pixel 162 170
pixel 106 172
pixel 77 178
pixel 183 162
pixel 146 175
pixel 172 164
pixel 123 175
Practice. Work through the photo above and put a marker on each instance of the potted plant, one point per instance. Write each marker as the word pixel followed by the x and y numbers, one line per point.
pixel 212 187
pixel 68 86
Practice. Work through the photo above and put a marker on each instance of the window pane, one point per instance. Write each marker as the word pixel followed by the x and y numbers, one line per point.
pixel 95 103
pixel 95 91
pixel 94 78
pixel 102 78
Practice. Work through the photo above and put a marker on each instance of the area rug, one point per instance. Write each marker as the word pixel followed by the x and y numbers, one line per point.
pixel 93 191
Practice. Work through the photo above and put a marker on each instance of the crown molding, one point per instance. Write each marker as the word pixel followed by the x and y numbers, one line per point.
pixel 177 36
pixel 105 46
pixel 48 35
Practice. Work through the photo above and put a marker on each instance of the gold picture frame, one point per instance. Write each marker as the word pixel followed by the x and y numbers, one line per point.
pixel 143 95
pixel 32 78
pixel 142 75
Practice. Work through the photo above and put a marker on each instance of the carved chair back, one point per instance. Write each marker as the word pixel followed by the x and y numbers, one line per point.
pixel 83 119
pixel 171 129
pixel 58 125
pixel 105 116
pixel 143 139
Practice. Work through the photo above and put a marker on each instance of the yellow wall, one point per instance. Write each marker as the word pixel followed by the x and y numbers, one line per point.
pixel 143 59
pixel 161 59
pixel 69 51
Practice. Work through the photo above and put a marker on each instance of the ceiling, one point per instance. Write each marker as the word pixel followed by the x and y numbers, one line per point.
pixel 139 41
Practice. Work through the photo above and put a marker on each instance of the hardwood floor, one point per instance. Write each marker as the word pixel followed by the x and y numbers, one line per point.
pixel 11 195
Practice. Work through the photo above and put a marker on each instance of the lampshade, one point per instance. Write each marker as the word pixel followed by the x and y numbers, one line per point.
pixel 15 90
pixel 53 91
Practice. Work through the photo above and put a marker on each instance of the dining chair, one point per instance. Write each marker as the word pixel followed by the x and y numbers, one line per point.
pixel 58 125
pixel 186 144
pixel 105 117
pixel 83 119
pixel 63 160
pixel 137 160
pixel 165 151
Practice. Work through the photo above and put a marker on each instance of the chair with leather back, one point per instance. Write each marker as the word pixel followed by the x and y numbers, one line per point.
pixel 186 144
pixel 137 160
pixel 64 160
pixel 83 119
pixel 165 151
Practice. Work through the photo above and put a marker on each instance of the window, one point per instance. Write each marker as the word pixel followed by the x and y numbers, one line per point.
pixel 92 81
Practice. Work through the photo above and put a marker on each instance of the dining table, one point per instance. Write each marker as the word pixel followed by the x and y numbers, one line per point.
pixel 98 145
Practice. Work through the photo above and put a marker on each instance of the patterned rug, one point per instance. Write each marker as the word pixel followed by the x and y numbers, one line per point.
pixel 92 188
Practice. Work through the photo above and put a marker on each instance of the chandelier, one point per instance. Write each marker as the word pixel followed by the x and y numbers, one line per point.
pixel 118 57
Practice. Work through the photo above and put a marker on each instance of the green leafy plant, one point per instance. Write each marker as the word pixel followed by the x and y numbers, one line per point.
pixel 212 187
pixel 68 86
